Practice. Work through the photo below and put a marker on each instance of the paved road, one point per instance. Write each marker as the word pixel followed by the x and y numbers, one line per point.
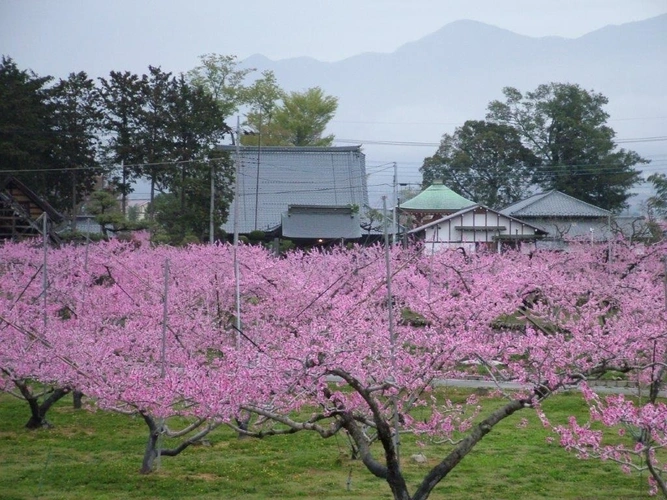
pixel 607 387
pixel 602 387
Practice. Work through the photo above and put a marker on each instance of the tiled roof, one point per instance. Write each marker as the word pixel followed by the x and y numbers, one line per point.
pixel 437 198
pixel 325 176
pixel 553 204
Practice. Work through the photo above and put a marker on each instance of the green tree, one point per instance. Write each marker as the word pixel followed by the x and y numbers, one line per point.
pixel 223 79
pixel 302 119
pixel 49 135
pixel 103 204
pixel 484 161
pixel 123 104
pixel 154 127
pixel 25 137
pixel 75 119
pixel 179 223
pixel 566 128
pixel 196 127
pixel 263 98
pixel 657 204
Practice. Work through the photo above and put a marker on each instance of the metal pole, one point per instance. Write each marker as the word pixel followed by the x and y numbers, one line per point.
pixel 124 203
pixel 610 244
pixel 163 351
pixel 163 355
pixel 44 275
pixel 394 214
pixel 259 151
pixel 237 273
pixel 392 334
pixel 211 224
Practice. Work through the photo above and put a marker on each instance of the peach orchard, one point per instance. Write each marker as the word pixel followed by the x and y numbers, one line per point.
pixel 341 341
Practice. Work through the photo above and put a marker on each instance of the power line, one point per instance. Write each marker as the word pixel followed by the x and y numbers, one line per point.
pixel 408 123
pixel 659 138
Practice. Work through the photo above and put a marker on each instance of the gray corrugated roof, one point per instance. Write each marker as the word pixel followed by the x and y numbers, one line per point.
pixel 334 176
pixel 553 204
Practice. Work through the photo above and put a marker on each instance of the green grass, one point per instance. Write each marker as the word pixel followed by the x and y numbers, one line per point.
pixel 97 456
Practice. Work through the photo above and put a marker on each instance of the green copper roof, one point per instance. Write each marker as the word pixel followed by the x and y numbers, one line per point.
pixel 437 198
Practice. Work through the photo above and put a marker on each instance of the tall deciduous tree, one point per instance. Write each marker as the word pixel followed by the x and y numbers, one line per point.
pixel 223 79
pixel 263 98
pixel 302 119
pixel 566 128
pixel 486 162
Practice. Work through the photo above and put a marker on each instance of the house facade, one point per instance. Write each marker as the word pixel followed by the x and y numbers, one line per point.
pixel 478 228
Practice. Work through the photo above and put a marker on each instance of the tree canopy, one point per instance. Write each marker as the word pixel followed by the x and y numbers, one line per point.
pixel 566 128
pixel 153 332
pixel 483 161
pixel 49 135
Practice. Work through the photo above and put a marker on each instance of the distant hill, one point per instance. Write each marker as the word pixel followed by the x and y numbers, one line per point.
pixel 427 87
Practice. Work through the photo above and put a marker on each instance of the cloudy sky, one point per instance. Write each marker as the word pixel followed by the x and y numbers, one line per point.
pixel 57 37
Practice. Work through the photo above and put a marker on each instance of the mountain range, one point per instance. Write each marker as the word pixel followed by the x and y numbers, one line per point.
pixel 399 104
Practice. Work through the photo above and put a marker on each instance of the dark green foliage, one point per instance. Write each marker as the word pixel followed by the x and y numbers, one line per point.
pixel 657 204
pixel 25 138
pixel 76 119
pixel 123 100
pixel 257 236
pixel 483 161
pixel 565 126
pixel 49 136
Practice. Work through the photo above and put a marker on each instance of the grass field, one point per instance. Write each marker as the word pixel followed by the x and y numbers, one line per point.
pixel 97 456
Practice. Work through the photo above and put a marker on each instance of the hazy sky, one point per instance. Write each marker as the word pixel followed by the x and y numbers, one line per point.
pixel 60 36
pixel 56 37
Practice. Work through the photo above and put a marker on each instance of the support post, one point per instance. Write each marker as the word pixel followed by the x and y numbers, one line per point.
pixel 237 273
pixel 211 213
pixel 392 334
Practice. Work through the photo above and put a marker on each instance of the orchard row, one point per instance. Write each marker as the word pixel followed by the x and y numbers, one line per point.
pixel 358 337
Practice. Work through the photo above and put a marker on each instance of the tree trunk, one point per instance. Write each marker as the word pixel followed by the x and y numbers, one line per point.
pixel 38 411
pixel 478 432
pixel 77 398
pixel 150 454
pixel 243 424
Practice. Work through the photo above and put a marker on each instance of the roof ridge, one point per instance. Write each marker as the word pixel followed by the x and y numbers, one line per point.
pixel 581 201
